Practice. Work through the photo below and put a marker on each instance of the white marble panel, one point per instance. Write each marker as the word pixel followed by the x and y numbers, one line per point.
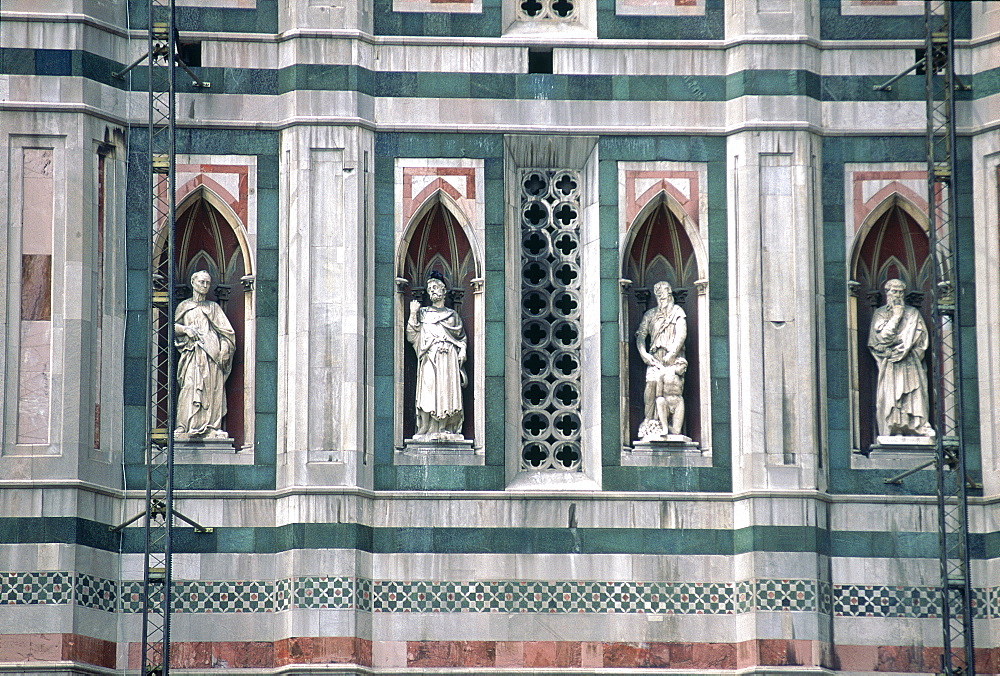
pixel 553 567
pixel 37 619
pixel 450 58
pixel 610 627
pixel 896 8
pixel 907 631
pixel 846 570
pixel 897 517
pixel 986 243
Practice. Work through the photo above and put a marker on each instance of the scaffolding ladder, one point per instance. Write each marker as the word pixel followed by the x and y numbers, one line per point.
pixel 161 414
pixel 946 365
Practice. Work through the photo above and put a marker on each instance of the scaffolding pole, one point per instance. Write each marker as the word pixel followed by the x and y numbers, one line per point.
pixel 952 488
pixel 161 414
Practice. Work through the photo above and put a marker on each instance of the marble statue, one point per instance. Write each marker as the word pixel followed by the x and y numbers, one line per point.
pixel 898 339
pixel 439 340
pixel 665 327
pixel 206 342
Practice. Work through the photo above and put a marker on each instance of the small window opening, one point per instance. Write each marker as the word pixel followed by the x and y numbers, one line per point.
pixel 540 61
pixel 190 53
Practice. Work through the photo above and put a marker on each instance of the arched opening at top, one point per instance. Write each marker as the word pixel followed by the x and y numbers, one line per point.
pixel 437 242
pixel 659 249
pixel 207 240
pixel 892 245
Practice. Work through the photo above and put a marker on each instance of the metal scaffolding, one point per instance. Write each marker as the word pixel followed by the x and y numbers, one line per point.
pixel 162 368
pixel 946 369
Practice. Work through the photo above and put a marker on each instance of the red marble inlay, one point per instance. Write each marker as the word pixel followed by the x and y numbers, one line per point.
pixel 323 650
pixel 424 654
pixel 412 203
pixel 712 656
pixel 634 202
pixel 551 654
pixel 36 287
pixel 239 203
pixel 988 661
pixel 57 647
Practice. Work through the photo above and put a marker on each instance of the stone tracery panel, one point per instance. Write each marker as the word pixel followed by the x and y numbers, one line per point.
pixel 550 320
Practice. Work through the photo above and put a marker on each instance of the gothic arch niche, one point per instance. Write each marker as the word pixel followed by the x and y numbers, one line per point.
pixel 438 239
pixel 662 245
pixel 892 243
pixel 210 237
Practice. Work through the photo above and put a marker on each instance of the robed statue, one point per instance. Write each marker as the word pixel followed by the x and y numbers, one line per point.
pixel 439 340
pixel 660 340
pixel 897 340
pixel 205 341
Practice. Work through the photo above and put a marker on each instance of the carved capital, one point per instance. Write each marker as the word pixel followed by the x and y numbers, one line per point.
pixel 680 296
pixel 247 281
pixel 642 296
pixel 222 292
pixel 915 299
pixel 625 285
pixel 478 284
pixel 874 298
pixel 701 286
pixel 182 292
pixel 853 287
pixel 402 284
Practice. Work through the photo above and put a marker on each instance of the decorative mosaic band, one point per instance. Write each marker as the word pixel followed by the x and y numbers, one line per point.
pixel 382 596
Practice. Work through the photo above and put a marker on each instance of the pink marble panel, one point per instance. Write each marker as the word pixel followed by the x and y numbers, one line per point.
pixel 33 383
pixel 36 201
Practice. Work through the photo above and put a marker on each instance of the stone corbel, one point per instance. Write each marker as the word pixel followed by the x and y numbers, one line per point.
pixel 478 284
pixel 626 285
pixel 853 287
pixel 402 285
pixel 248 281
pixel 701 286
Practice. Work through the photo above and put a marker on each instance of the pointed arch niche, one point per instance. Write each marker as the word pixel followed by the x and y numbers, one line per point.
pixel 438 238
pixel 892 243
pixel 211 237
pixel 662 244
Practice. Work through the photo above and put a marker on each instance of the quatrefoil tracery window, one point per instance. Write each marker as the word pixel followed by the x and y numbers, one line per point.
pixel 550 320
pixel 551 10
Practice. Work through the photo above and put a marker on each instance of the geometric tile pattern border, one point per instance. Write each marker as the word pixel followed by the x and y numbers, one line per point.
pixel 383 596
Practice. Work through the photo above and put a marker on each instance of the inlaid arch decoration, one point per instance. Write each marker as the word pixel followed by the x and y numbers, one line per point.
pixel 439 231
pixel 661 242
pixel 891 243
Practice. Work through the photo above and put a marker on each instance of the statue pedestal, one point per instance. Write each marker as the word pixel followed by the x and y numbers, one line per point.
pixel 903 444
pixel 671 450
pixel 666 443
pixel 201 450
pixel 444 452
pixel 895 452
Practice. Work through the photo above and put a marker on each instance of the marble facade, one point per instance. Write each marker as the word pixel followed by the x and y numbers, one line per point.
pixel 771 544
